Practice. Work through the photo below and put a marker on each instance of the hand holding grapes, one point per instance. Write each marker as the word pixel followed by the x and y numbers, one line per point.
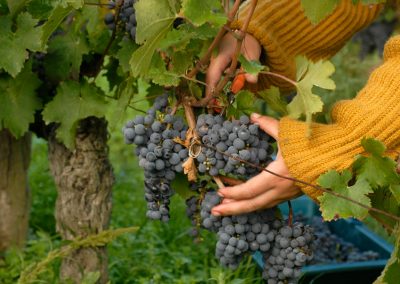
pixel 264 190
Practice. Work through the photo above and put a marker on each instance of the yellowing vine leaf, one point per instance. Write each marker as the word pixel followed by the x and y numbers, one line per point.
pixel 309 75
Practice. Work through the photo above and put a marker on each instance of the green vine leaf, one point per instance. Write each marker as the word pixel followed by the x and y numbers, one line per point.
pixel 273 99
pixel 124 54
pixel 378 170
pixel 333 207
pixel 205 11
pixel 153 16
pixel 67 51
pixel 15 43
pixel 18 101
pixel 55 19
pixel 309 75
pixel 318 10
pixel 391 273
pixel 251 67
pixel 16 6
pixel 72 103
pixel 141 59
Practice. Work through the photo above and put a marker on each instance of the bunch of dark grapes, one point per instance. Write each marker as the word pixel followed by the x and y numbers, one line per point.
pixel 159 155
pixel 193 211
pixel 330 248
pixel 285 248
pixel 227 142
pixel 289 253
pixel 127 17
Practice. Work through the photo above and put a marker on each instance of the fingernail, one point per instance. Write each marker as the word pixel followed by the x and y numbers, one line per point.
pixel 220 194
pixel 216 213
pixel 255 115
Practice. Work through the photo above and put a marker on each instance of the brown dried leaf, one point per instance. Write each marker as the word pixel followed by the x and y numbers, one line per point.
pixel 189 168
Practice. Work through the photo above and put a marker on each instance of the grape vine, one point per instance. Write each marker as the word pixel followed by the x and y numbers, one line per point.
pixel 157 51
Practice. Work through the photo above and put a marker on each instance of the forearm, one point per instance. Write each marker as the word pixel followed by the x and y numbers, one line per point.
pixel 373 113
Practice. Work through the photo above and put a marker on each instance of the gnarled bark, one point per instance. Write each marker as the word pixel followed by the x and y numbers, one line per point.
pixel 84 180
pixel 14 191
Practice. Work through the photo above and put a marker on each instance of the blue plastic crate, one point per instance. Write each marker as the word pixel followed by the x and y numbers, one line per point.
pixel 350 230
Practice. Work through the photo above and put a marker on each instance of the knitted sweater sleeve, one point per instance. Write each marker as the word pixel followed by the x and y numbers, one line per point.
pixel 375 113
pixel 285 32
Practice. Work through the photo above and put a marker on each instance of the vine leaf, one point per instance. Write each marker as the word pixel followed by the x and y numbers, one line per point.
pixel 141 59
pixel 160 75
pixel 205 11
pixel 316 11
pixel 67 51
pixel 55 19
pixel 180 184
pixel 16 43
pixel 333 207
pixel 119 107
pixel 252 67
pixel 309 75
pixel 124 54
pixel 72 103
pixel 243 104
pixel 18 101
pixel 16 5
pixel 378 170
pixel 274 100
pixel 153 16
pixel 391 273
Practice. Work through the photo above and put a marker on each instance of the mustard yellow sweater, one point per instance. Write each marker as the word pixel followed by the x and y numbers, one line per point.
pixel 285 32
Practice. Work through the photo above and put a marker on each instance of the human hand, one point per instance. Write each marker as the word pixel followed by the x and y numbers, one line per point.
pixel 264 190
pixel 251 50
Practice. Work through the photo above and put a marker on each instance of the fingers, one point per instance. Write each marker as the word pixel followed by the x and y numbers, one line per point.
pixel 251 188
pixel 266 200
pixel 215 70
pixel 268 124
pixel 269 199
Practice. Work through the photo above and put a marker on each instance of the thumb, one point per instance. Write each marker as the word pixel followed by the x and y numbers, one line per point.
pixel 268 124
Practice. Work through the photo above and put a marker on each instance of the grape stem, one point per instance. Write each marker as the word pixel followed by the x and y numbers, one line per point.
pixel 290 218
pixel 376 210
pixel 219 182
pixel 294 83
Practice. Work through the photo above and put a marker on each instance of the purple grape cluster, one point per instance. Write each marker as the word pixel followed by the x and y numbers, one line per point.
pixel 290 251
pixel 127 16
pixel 192 211
pixel 330 248
pixel 238 139
pixel 285 248
pixel 159 155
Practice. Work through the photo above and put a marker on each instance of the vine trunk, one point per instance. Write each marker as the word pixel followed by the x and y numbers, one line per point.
pixel 84 180
pixel 14 190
